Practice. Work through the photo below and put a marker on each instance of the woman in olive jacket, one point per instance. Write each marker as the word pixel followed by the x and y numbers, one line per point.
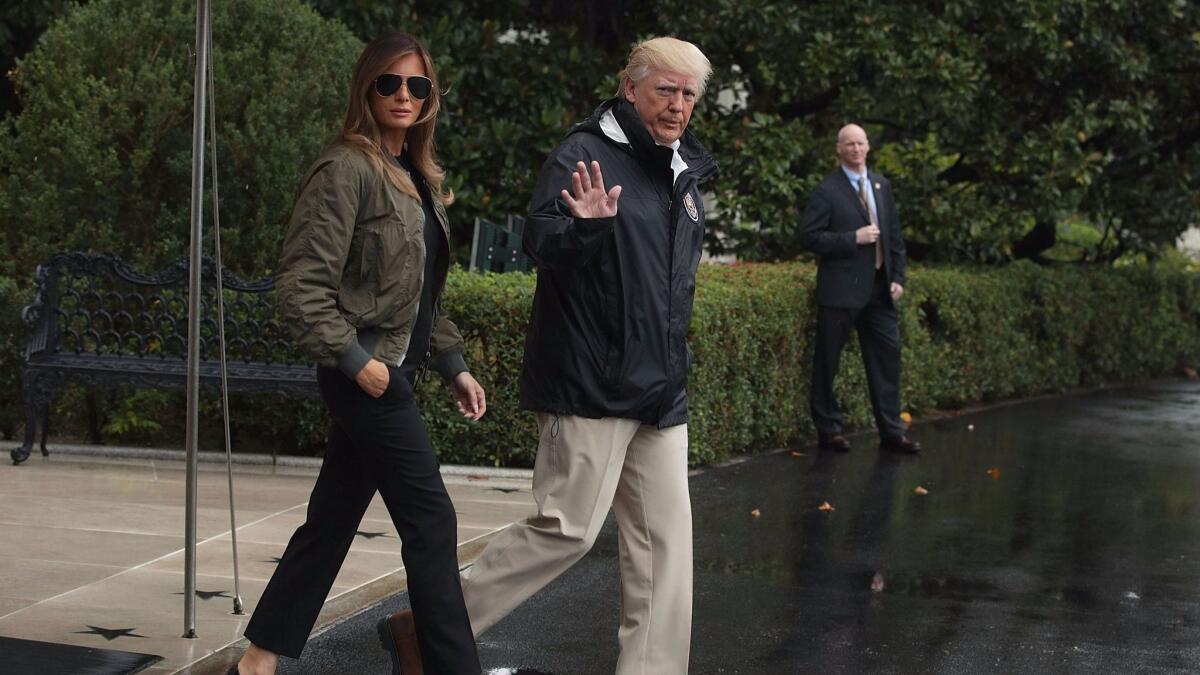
pixel 361 273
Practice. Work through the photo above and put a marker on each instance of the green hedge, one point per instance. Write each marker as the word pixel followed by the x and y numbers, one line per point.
pixel 969 334
pixel 12 349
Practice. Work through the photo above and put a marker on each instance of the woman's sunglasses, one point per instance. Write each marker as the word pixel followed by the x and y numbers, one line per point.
pixel 419 87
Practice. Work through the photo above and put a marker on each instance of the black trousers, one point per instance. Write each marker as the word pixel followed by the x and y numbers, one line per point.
pixel 374 444
pixel 878 330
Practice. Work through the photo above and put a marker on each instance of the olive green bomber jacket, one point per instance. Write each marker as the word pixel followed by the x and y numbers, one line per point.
pixel 352 263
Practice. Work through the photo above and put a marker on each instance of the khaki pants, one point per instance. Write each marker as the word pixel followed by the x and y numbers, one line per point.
pixel 583 466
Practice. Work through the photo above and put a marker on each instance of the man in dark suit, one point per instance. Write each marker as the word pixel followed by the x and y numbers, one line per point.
pixel 851 224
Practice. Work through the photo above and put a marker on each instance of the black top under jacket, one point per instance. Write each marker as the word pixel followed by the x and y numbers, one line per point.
pixel 436 263
pixel 608 333
pixel 846 271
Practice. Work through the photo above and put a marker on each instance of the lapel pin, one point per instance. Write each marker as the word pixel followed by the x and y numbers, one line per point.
pixel 877 186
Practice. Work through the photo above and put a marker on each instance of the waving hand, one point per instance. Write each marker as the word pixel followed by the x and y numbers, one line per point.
pixel 590 200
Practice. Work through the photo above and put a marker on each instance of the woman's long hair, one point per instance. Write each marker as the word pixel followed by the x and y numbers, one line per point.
pixel 362 131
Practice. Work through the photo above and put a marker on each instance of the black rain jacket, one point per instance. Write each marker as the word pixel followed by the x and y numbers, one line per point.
pixel 608 334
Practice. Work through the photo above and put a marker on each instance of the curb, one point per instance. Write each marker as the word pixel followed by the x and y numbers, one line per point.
pixel 252 459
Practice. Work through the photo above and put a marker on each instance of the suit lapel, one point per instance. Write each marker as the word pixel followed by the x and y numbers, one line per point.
pixel 847 189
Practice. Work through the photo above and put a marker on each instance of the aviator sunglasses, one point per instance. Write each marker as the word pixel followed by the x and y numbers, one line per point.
pixel 419 87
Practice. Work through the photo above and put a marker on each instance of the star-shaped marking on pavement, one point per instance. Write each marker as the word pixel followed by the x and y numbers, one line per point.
pixel 208 595
pixel 109 634
pixel 370 535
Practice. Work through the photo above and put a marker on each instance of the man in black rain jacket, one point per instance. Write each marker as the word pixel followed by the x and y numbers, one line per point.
pixel 606 358
pixel 614 297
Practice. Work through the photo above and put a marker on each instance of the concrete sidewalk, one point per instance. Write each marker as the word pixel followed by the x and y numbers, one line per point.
pixel 91 548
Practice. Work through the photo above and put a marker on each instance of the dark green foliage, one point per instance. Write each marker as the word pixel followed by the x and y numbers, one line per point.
pixel 995 120
pixel 21 23
pixel 1003 125
pixel 12 349
pixel 100 157
pixel 999 122
pixel 970 335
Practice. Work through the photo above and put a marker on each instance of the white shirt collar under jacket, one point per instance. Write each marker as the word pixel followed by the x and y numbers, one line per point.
pixel 612 129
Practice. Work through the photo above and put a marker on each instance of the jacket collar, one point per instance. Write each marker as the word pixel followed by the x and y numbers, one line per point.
pixel 642 145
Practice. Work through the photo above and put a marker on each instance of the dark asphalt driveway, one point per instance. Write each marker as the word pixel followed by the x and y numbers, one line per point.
pixel 1079 553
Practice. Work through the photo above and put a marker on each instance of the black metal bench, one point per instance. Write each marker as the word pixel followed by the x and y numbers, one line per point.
pixel 96 321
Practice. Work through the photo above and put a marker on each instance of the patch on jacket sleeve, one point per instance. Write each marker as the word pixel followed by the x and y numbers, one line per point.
pixel 690 205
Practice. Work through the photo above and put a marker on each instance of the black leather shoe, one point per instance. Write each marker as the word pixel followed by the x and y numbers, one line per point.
pixel 901 444
pixel 835 442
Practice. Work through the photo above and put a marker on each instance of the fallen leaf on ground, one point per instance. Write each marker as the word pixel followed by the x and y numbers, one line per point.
pixel 877 583
pixel 825 506
pixel 756 513
pixel 1190 373
pixel 1133 596
pixel 994 473
pixel 794 453
pixel 476 476
pixel 921 490
pixel 906 418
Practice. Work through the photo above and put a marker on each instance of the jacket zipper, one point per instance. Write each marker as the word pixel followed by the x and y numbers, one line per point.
pixel 423 369
pixel 663 405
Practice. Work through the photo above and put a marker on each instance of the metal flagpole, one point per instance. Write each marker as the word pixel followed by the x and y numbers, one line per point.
pixel 194 302
pixel 220 286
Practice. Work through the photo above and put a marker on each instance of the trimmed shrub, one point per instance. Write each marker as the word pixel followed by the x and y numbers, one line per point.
pixel 12 349
pixel 100 156
pixel 969 335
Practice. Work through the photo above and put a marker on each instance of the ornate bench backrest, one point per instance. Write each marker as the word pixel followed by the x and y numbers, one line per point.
pixel 95 304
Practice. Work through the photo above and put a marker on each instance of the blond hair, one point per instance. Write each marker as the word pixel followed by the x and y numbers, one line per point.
pixel 362 131
pixel 666 54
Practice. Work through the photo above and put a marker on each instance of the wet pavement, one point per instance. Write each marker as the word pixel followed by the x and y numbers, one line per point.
pixel 1056 536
